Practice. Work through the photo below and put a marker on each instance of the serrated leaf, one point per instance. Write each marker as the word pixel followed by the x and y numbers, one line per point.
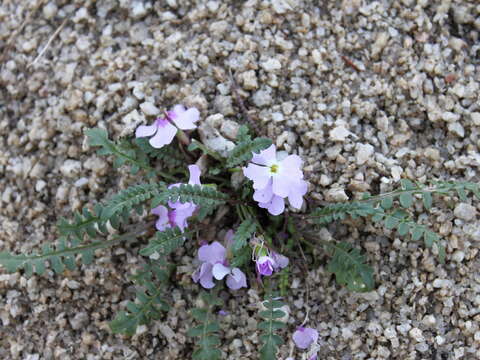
pixel 406 200
pixel 165 242
pixel 243 152
pixel 243 234
pixel 349 267
pixel 200 195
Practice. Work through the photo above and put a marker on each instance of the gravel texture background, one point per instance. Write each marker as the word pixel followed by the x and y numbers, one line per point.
pixel 367 92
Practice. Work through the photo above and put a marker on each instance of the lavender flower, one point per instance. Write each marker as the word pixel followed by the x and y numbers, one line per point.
pixel 215 265
pixel 274 180
pixel 304 337
pixel 264 265
pixel 163 130
pixel 268 261
pixel 179 212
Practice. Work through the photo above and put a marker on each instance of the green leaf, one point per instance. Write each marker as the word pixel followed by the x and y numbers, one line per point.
pixel 149 304
pixel 429 238
pixel 403 228
pixel 407 184
pixel 349 267
pixel 391 222
pixel 242 235
pixel 131 197
pixel 243 152
pixel 406 200
pixel 198 194
pixel 386 203
pixel 441 253
pixel 165 242
pixel 462 195
pixel 417 233
pixel 427 200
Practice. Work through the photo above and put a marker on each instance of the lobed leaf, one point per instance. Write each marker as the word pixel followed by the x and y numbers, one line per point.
pixel 243 152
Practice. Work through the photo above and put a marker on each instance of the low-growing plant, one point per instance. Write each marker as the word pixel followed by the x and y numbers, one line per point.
pixel 260 248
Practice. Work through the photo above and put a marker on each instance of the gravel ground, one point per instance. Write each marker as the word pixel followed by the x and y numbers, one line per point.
pixel 367 93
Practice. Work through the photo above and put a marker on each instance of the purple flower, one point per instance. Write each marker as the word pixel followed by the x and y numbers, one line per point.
pixel 264 265
pixel 304 337
pixel 274 180
pixel 215 265
pixel 179 212
pixel 163 130
pixel 279 261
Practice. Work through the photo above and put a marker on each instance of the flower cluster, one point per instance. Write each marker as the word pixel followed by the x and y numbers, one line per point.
pixel 274 180
pixel 214 264
pixel 163 130
pixel 179 212
pixel 268 261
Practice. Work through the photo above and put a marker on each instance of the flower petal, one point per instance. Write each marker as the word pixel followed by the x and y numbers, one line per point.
pixel 258 174
pixel 220 271
pixel 304 337
pixel 205 276
pixel 281 185
pixel 275 206
pixel 265 157
pixel 264 195
pixel 187 119
pixel 295 196
pixel 195 172
pixel 144 130
pixel 236 279
pixel 164 136
pixel 162 213
pixel 213 253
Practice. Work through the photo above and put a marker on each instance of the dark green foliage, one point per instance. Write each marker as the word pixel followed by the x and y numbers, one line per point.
pixel 165 242
pixel 334 212
pixel 245 147
pixel 349 267
pixel 269 325
pixel 149 304
pixel 131 198
pixel 60 257
pixel 84 223
pixel 168 155
pixel 244 232
pixel 198 194
pixel 207 330
pixel 124 151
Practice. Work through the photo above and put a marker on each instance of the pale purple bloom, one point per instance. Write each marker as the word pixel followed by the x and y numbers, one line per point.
pixel 279 261
pixel 274 180
pixel 264 265
pixel 304 337
pixel 222 312
pixel 215 265
pixel 313 357
pixel 163 130
pixel 179 212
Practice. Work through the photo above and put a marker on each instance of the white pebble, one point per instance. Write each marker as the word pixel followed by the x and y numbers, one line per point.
pixel 149 109
pixel 339 133
pixel 364 152
pixel 465 211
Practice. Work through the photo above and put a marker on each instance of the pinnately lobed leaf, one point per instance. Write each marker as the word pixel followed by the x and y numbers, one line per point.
pixel 244 232
pixel 243 152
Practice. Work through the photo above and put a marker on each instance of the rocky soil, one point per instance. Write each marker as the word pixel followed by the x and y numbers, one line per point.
pixel 367 92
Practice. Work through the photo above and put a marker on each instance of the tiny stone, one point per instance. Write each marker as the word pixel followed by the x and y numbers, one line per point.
pixel 364 152
pixel 149 109
pixel 416 334
pixel 50 10
pixel 277 117
pixel 465 211
pixel 457 129
pixel 71 168
pixel 336 194
pixel 229 129
pixel 262 98
pixel 271 65
pixel 339 133
pixel 458 256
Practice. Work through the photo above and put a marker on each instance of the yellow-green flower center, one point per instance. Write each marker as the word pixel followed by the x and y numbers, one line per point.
pixel 274 168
